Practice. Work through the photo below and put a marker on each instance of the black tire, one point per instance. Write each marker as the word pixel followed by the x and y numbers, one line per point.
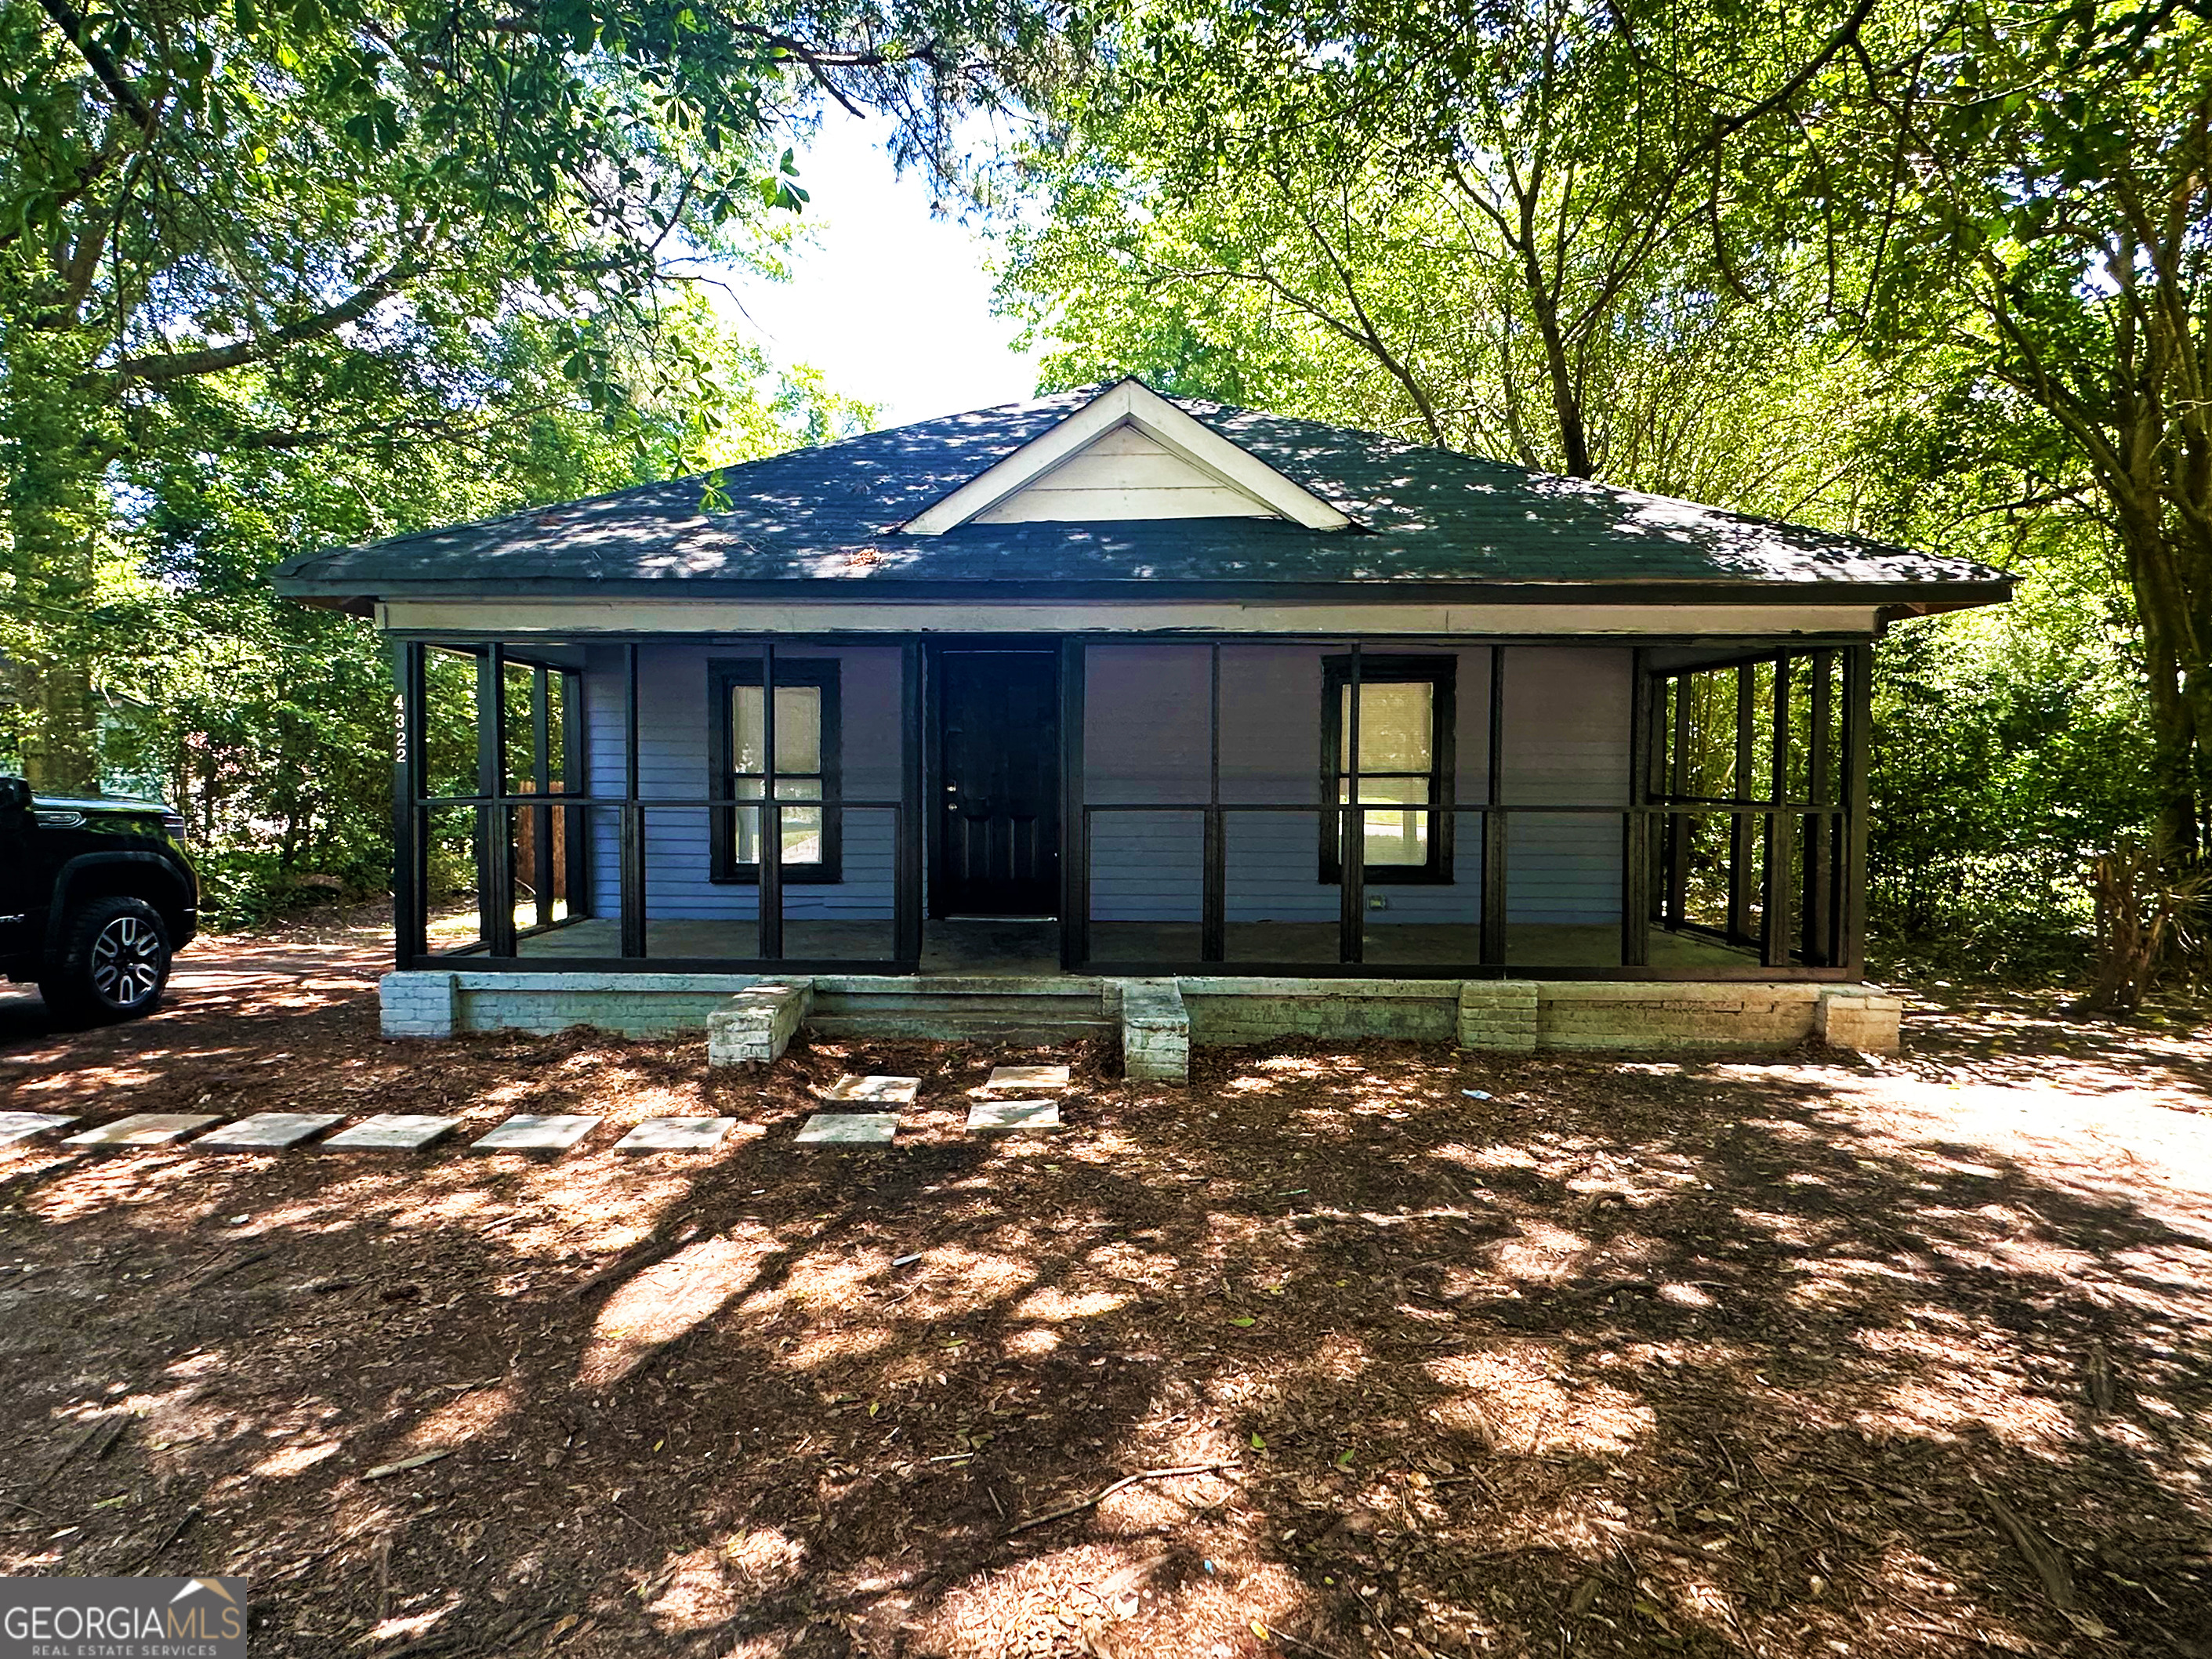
pixel 114 961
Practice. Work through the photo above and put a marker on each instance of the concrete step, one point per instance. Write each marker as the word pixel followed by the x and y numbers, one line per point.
pixel 953 1025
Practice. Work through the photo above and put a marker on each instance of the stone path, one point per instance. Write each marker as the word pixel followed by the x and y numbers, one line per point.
pixel 675 1134
pixel 849 1129
pixel 143 1129
pixel 1003 1116
pixel 265 1131
pixel 886 1090
pixel 1027 1077
pixel 392 1131
pixel 553 1133
pixel 22 1126
pixel 527 1132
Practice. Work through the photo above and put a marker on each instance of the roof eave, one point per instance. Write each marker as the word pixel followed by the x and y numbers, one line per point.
pixel 1904 597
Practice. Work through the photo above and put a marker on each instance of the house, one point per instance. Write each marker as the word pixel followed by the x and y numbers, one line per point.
pixel 1111 708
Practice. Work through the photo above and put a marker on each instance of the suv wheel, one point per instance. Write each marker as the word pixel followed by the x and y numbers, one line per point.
pixel 114 962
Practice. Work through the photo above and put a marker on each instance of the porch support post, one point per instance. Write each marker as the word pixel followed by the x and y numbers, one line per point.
pixel 633 818
pixel 906 883
pixel 575 780
pixel 1351 834
pixel 1778 923
pixel 1074 824
pixel 1635 823
pixel 1741 825
pixel 1858 737
pixel 1493 821
pixel 409 873
pixel 1820 828
pixel 770 945
pixel 1213 924
pixel 494 826
pixel 541 783
pixel 1678 825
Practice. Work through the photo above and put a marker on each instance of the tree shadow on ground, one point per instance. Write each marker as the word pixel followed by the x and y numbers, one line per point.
pixel 1630 1358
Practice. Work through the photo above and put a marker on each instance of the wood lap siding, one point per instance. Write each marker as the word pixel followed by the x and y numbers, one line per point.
pixel 1146 739
pixel 674 713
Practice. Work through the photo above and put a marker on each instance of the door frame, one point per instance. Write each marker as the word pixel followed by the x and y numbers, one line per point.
pixel 933 647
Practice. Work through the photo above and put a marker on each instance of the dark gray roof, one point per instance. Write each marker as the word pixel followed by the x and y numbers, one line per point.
pixel 1428 518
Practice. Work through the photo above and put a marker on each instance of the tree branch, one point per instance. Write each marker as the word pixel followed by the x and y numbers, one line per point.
pixel 212 359
pixel 72 24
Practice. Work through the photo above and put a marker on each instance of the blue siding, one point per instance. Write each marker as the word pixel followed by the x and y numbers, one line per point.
pixel 1146 739
pixel 673 719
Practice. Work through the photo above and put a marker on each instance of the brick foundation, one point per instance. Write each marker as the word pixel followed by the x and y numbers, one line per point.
pixel 750 1018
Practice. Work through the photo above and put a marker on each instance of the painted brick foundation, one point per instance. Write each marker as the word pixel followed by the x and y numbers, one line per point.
pixel 750 1018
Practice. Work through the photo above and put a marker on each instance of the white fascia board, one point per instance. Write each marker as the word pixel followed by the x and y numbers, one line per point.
pixel 1174 429
pixel 522 619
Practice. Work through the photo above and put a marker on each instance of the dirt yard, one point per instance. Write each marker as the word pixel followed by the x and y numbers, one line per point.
pixel 1783 1358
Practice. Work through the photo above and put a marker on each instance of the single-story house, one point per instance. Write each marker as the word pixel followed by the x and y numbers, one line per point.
pixel 1112 708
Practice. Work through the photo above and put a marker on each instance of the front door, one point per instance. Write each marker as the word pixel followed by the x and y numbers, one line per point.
pixel 998 783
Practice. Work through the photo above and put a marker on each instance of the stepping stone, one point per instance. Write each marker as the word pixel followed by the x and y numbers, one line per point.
pixel 886 1090
pixel 146 1129
pixel 391 1132
pixel 995 1117
pixel 849 1129
pixel 22 1126
pixel 266 1132
pixel 527 1132
pixel 675 1134
pixel 1028 1077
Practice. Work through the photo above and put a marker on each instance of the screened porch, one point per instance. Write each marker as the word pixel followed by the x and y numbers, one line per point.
pixel 1132 805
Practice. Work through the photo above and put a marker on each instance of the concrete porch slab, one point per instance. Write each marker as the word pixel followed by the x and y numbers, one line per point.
pixel 143 1129
pixel 848 1129
pixel 1028 1077
pixel 886 1090
pixel 22 1126
pixel 391 1132
pixel 675 1134
pixel 527 1131
pixel 266 1132
pixel 1007 1116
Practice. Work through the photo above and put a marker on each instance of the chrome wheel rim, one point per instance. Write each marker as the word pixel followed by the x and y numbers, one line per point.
pixel 126 961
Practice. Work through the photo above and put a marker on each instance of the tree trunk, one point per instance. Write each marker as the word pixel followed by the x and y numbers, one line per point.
pixel 61 733
pixel 51 460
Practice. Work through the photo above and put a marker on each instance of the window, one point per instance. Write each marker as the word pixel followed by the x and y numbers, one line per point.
pixel 1404 765
pixel 806 767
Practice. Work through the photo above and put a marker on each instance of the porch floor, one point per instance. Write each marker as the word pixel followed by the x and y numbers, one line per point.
pixel 1032 948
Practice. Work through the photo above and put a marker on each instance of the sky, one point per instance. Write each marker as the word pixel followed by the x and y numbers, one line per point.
pixel 892 305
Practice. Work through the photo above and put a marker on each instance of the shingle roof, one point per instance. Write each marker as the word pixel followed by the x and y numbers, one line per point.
pixel 1426 517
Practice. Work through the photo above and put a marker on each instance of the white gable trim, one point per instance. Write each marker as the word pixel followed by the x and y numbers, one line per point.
pixel 1130 402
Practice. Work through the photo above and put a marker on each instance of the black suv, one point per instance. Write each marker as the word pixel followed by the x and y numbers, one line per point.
pixel 96 896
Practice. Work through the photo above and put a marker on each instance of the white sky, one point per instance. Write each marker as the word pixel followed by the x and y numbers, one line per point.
pixel 891 305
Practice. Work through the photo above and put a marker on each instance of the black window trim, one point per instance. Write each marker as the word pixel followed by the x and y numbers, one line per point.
pixel 1440 672
pixel 723 677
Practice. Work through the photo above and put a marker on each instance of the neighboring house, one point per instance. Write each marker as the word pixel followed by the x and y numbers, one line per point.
pixel 1303 728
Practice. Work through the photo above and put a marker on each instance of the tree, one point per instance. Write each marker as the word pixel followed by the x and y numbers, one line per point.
pixel 2030 187
pixel 257 226
pixel 1490 225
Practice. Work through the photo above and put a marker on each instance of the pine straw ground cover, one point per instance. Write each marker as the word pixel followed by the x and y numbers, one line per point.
pixel 1774 1357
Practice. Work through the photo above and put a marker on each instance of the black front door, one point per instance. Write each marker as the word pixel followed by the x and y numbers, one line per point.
pixel 998 781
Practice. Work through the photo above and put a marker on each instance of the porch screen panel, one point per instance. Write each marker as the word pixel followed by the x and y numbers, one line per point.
pixel 452 838
pixel 1566 744
pixel 841 859
pixel 1145 746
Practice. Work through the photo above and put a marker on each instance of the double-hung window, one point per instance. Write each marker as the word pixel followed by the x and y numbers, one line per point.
pixel 805 766
pixel 1400 766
